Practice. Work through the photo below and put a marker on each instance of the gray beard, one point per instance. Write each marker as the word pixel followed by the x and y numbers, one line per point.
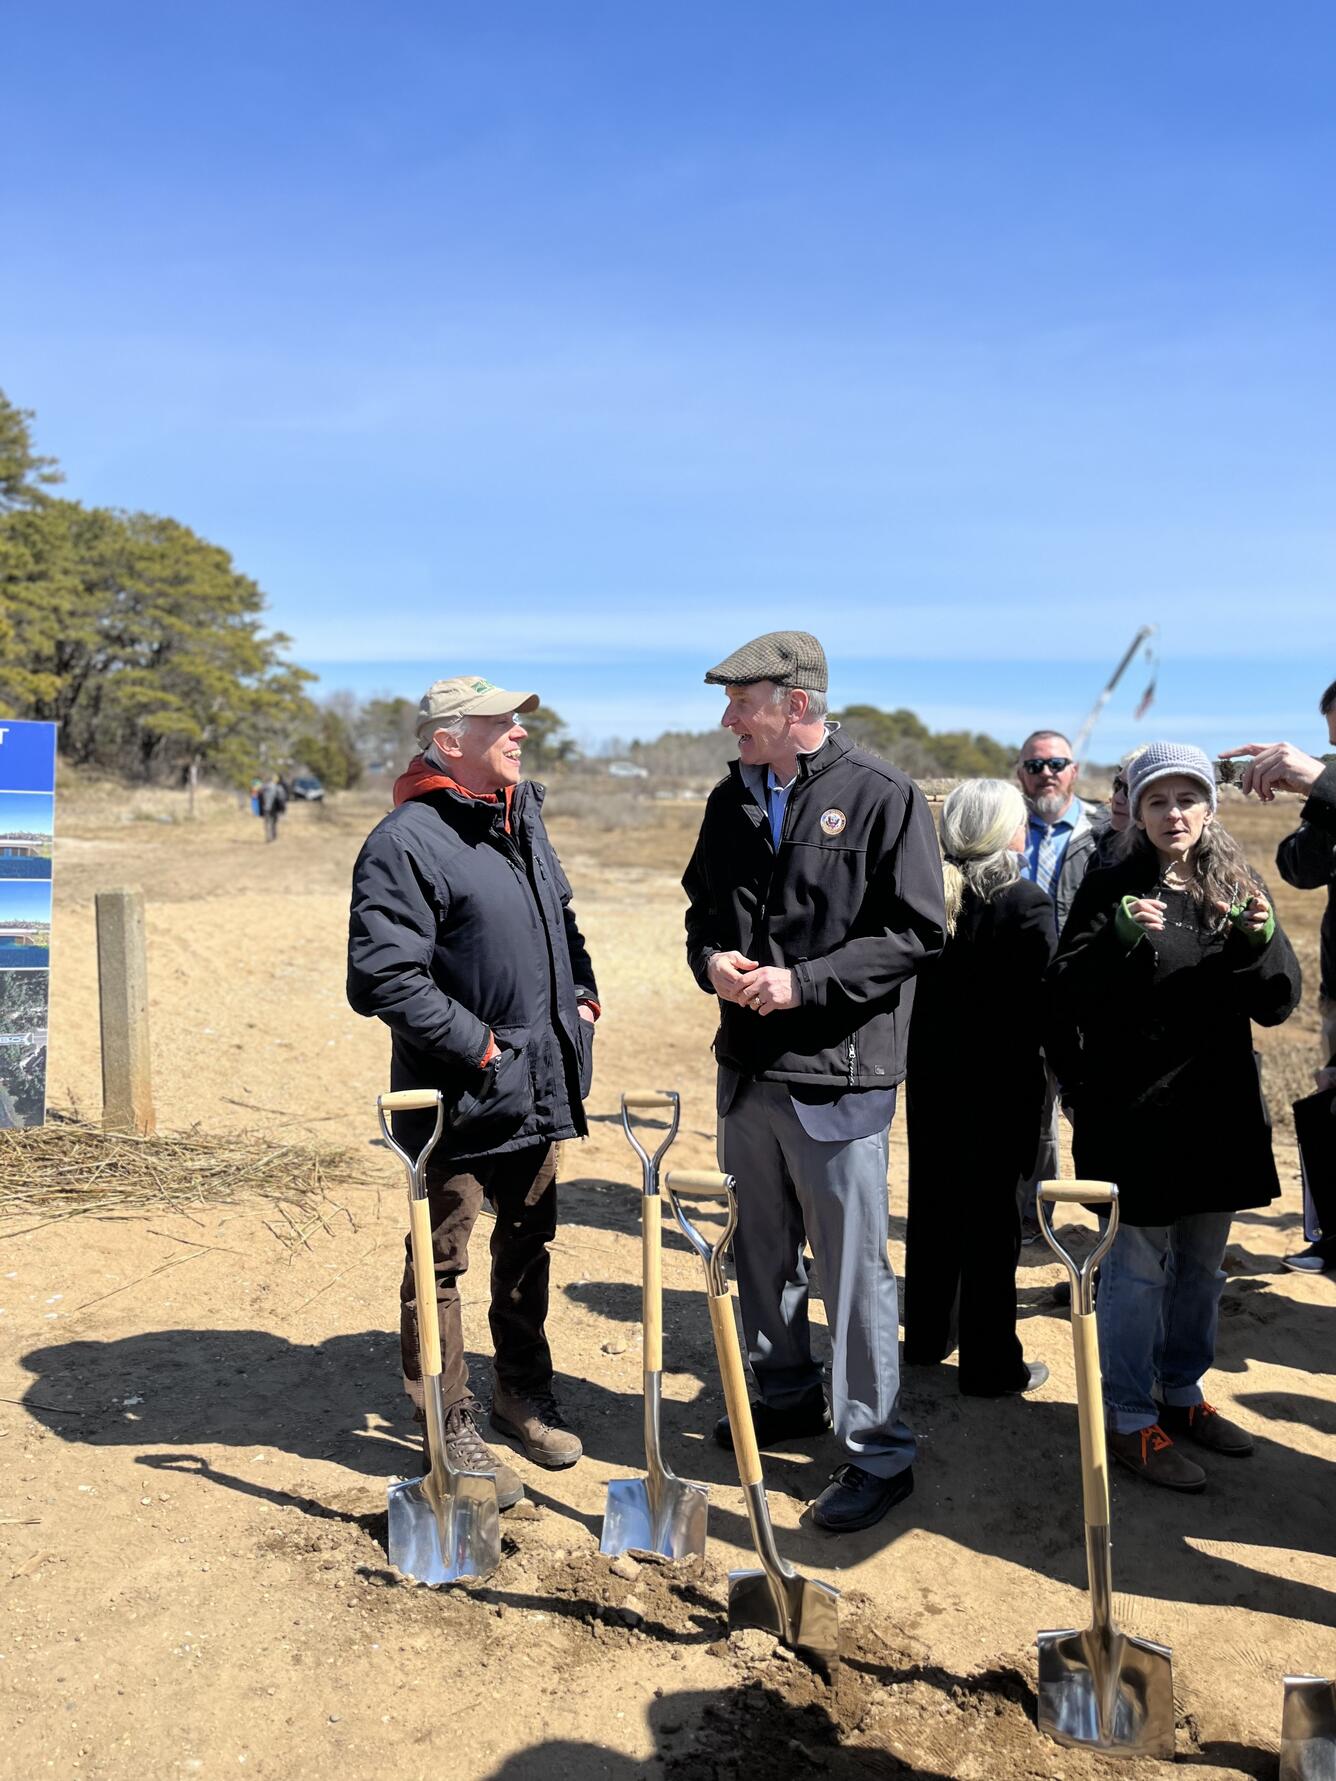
pixel 1050 808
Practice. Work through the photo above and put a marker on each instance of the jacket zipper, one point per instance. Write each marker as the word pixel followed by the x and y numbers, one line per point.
pixel 853 1062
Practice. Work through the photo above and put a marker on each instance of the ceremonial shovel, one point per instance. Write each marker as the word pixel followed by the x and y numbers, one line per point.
pixel 1100 1688
pixel 1308 1730
pixel 444 1525
pixel 656 1513
pixel 804 1614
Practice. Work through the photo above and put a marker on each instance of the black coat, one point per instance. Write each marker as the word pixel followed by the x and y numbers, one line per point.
pixel 1307 860
pixel 459 930
pixel 1154 1050
pixel 851 899
pixel 977 1085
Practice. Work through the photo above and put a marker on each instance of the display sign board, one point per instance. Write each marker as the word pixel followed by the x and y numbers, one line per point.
pixel 27 832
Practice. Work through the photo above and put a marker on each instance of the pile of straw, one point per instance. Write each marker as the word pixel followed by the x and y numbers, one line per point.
pixel 70 1168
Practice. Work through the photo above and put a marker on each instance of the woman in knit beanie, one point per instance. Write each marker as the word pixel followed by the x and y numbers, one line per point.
pixel 1168 956
pixel 971 1140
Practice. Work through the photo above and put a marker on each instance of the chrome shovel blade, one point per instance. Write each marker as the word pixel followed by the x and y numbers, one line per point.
pixel 802 1612
pixel 1114 1695
pixel 674 1527
pixel 457 1536
pixel 1308 1730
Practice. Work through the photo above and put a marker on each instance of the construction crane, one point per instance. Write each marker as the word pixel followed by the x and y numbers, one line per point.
pixel 1144 637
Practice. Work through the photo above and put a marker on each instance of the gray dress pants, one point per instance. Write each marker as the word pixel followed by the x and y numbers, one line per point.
pixel 792 1186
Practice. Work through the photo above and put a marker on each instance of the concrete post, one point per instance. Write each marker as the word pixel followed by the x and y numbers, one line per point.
pixel 122 980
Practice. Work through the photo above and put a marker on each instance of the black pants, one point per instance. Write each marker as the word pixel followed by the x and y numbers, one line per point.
pixel 961 1248
pixel 522 1188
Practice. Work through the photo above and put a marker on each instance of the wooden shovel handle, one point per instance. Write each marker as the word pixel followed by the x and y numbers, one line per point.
pixel 424 1286
pixel 1090 1397
pixel 648 1097
pixel 405 1100
pixel 651 1250
pixel 697 1181
pixel 729 1351
pixel 1080 1193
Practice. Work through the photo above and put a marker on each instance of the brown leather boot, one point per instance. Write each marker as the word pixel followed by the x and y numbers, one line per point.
pixel 534 1420
pixel 1152 1455
pixel 468 1452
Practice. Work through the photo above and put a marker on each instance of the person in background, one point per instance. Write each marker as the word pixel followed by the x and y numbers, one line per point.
pixel 815 895
pixel 1062 837
pixel 972 1136
pixel 1120 814
pixel 462 939
pixel 272 800
pixel 1307 860
pixel 1166 959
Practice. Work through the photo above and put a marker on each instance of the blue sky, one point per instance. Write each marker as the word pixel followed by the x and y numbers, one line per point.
pixel 26 813
pixel 575 344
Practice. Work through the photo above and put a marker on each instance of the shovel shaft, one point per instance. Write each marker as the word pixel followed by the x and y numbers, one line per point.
pixel 729 1351
pixel 1090 1403
pixel 651 1254
pixel 424 1289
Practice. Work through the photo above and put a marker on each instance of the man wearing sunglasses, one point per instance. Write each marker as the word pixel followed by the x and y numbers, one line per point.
pixel 1061 846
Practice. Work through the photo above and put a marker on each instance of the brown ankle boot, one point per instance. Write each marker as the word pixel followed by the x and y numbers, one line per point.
pixel 1204 1424
pixel 534 1420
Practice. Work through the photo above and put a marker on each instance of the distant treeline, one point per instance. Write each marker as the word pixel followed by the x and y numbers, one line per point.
pixel 149 649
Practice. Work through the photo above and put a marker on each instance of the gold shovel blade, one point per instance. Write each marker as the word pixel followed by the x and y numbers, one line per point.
pixel 1116 1696
pixel 458 1535
pixel 802 1612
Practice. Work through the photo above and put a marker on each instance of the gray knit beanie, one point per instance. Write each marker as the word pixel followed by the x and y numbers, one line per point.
pixel 1163 760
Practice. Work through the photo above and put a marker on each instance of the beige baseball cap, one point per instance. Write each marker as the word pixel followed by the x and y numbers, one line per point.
pixel 468 695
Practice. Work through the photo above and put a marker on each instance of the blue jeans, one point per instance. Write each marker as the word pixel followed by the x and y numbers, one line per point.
pixel 1157 1310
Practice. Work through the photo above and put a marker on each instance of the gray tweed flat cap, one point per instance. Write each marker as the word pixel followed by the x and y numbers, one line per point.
pixel 793 658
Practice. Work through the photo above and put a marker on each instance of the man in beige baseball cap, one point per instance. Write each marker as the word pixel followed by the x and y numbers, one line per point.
pixel 463 941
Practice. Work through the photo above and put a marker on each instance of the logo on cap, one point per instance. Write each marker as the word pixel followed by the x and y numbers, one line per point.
pixel 832 822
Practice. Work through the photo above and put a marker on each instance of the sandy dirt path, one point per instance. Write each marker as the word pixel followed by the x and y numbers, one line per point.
pixel 198 1423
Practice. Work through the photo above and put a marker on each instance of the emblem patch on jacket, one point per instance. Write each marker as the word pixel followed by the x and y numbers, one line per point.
pixel 832 822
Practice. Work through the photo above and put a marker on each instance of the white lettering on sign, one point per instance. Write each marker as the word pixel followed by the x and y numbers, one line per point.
pixel 3 734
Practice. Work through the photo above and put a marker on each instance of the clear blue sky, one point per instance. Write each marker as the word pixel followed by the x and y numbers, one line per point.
pixel 574 344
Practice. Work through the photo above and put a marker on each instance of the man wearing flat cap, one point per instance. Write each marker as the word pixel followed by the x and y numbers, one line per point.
pixel 463 941
pixel 815 895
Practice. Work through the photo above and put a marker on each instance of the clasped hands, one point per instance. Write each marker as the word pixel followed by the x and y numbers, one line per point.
pixel 1148 913
pixel 765 989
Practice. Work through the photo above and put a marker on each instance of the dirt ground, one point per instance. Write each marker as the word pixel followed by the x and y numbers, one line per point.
pixel 199 1419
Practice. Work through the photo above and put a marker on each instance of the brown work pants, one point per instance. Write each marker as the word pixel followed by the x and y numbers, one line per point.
pixel 522 1188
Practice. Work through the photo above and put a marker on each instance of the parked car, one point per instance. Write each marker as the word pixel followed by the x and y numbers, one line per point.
pixel 307 786
pixel 626 770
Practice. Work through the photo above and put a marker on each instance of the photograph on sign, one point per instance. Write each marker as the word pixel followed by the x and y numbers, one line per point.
pixel 23 1007
pixel 26 820
pixel 27 757
pixel 25 926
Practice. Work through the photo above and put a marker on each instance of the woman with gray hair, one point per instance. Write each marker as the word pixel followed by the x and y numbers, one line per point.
pixel 975 1104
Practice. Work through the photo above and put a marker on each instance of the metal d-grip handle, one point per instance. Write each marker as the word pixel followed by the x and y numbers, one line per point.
pixel 704 1183
pixel 1085 1337
pixel 412 1100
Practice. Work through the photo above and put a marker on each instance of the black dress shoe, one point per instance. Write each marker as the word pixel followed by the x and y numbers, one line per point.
pixel 793 1423
pixel 1036 1374
pixel 855 1498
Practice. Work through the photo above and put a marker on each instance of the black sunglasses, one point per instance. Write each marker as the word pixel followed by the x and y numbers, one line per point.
pixel 1120 785
pixel 1057 762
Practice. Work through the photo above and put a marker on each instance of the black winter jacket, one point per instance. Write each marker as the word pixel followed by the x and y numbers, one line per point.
pixel 457 930
pixel 1154 1050
pixel 851 899
pixel 1307 860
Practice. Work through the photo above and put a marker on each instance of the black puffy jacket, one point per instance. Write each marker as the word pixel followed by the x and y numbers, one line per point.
pixel 851 899
pixel 459 930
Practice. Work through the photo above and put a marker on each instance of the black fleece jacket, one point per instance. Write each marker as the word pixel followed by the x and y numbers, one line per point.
pixel 850 898
pixel 1307 860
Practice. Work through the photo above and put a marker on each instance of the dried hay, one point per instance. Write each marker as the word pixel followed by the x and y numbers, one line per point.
pixel 70 1168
